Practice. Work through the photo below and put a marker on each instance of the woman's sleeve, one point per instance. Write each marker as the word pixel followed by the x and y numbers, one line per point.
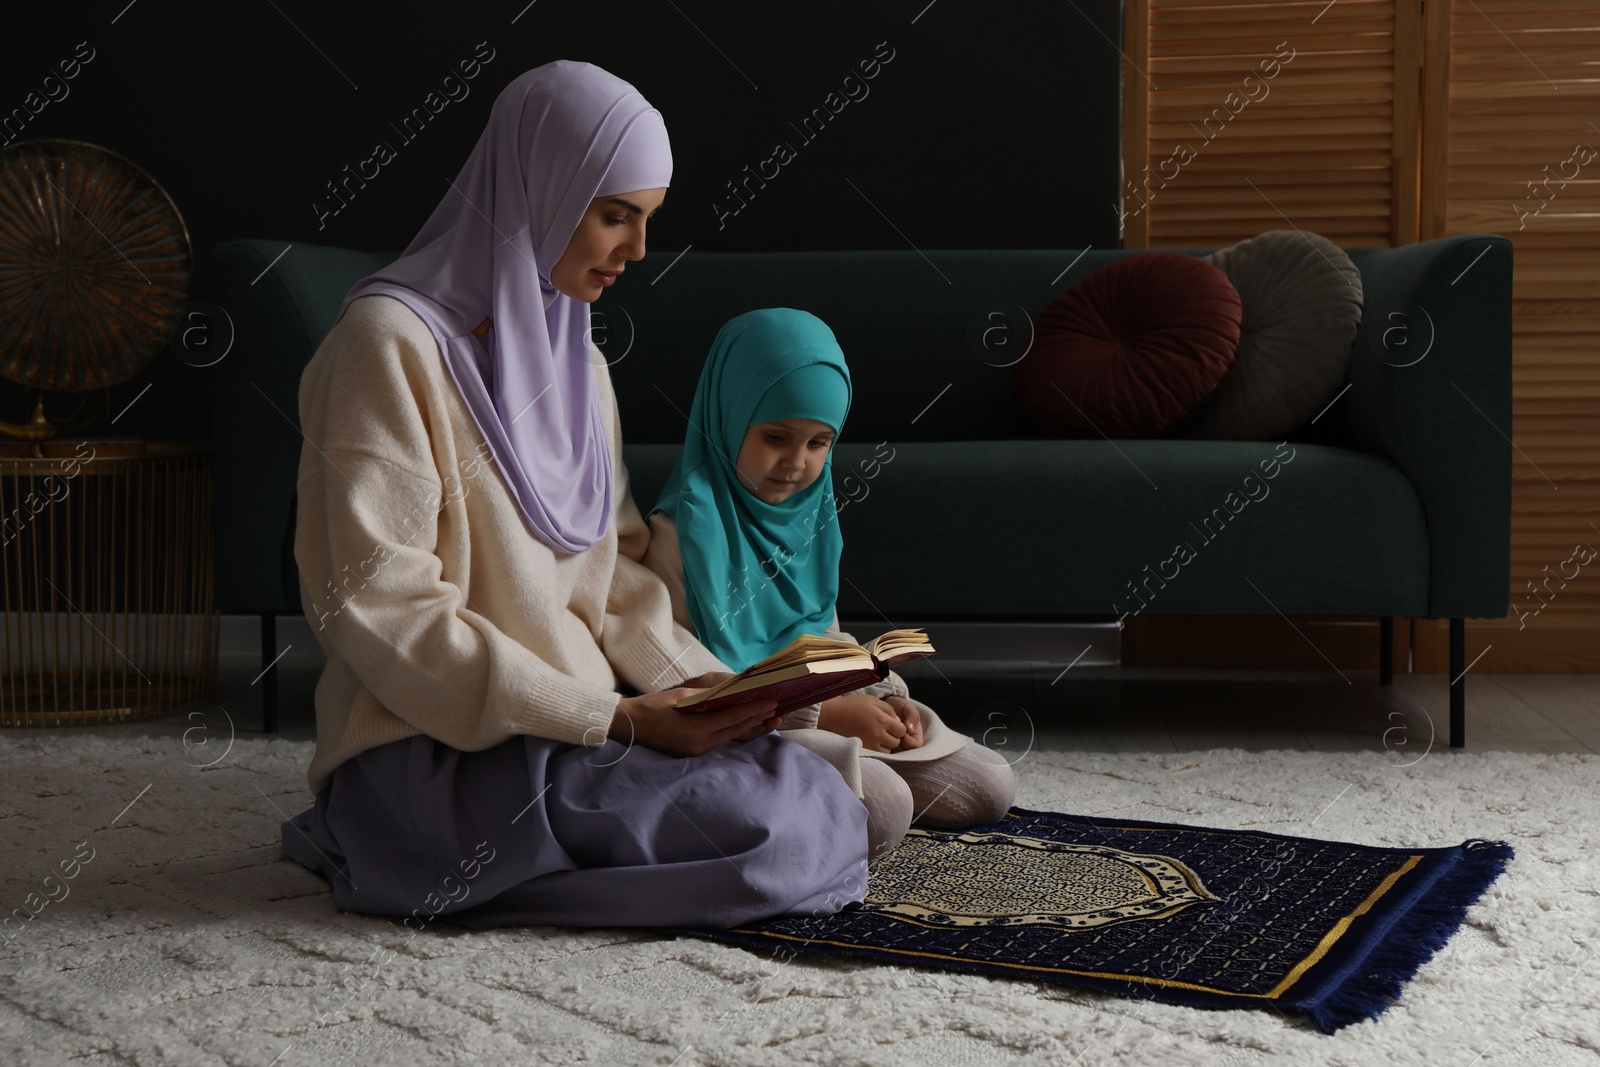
pixel 643 637
pixel 364 541
pixel 666 560
pixel 366 538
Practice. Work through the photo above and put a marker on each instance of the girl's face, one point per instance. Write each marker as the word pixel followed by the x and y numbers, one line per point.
pixel 782 457
pixel 610 233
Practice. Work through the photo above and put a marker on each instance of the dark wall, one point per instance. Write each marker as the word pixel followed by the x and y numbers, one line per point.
pixel 991 129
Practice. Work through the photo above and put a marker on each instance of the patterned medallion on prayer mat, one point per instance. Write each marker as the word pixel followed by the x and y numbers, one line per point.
pixel 1186 914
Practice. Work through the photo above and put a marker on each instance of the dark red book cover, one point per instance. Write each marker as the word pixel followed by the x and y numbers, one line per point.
pixel 795 693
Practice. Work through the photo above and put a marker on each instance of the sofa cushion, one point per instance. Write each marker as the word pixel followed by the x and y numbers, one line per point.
pixel 1302 304
pixel 1130 349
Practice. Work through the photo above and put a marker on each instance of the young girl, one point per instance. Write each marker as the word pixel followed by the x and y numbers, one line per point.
pixel 746 538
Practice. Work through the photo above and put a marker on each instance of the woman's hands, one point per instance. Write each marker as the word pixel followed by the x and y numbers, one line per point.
pixel 653 720
pixel 889 725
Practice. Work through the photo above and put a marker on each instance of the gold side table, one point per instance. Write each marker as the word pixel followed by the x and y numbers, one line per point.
pixel 105 581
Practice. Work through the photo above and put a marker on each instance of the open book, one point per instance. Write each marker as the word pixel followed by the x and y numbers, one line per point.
pixel 812 669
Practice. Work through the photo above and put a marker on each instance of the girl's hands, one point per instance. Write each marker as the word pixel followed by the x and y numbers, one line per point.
pixel 874 721
pixel 912 718
pixel 653 720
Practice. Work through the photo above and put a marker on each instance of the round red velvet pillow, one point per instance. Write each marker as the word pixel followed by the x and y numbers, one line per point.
pixel 1131 348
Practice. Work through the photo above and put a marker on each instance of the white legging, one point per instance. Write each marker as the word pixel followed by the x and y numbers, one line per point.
pixel 972 786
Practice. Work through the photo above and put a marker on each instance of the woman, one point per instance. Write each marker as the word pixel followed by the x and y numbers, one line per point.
pixel 746 537
pixel 469 548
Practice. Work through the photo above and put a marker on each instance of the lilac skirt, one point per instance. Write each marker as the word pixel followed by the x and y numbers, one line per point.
pixel 541 832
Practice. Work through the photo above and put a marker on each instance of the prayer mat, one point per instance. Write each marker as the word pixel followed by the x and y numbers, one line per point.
pixel 1184 914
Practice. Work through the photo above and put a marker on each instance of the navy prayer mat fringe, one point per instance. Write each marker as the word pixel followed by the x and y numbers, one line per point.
pixel 1181 914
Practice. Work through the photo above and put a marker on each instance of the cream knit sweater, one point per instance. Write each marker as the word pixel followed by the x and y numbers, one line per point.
pixel 440 613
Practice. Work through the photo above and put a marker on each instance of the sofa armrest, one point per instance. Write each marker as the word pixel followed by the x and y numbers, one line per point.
pixel 254 430
pixel 281 300
pixel 1430 390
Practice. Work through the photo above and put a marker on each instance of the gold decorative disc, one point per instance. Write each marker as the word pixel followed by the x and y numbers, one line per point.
pixel 94 266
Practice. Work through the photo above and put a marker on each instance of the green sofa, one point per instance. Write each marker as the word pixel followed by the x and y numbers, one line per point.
pixel 1396 501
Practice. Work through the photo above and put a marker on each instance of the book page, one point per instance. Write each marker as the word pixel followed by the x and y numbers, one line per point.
pixel 802 648
pixel 898 642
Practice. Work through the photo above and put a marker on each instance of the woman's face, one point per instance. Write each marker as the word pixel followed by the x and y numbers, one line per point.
pixel 610 233
pixel 780 458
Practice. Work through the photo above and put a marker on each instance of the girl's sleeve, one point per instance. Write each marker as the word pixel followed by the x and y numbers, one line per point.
pixel 892 686
pixel 665 559
pixel 365 538
pixel 645 637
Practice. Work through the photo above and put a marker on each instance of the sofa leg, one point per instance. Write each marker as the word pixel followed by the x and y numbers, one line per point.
pixel 1458 683
pixel 269 678
pixel 1385 649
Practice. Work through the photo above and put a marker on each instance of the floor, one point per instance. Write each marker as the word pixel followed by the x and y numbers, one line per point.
pixel 197 944
pixel 1114 709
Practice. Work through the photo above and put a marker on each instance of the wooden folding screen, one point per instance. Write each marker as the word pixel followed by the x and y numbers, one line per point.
pixel 1380 122
pixel 1256 115
pixel 1522 158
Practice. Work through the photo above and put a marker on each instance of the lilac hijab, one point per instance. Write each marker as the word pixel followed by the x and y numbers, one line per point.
pixel 558 136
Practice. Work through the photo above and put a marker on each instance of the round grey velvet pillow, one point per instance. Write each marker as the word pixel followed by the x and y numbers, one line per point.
pixel 1302 304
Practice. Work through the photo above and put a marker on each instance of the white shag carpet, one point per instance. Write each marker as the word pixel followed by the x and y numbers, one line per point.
pixel 185 939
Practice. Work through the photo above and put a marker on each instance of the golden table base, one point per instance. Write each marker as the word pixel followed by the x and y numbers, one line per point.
pixel 105 581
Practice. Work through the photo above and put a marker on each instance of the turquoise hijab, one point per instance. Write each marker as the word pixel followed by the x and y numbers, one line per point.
pixel 758 575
